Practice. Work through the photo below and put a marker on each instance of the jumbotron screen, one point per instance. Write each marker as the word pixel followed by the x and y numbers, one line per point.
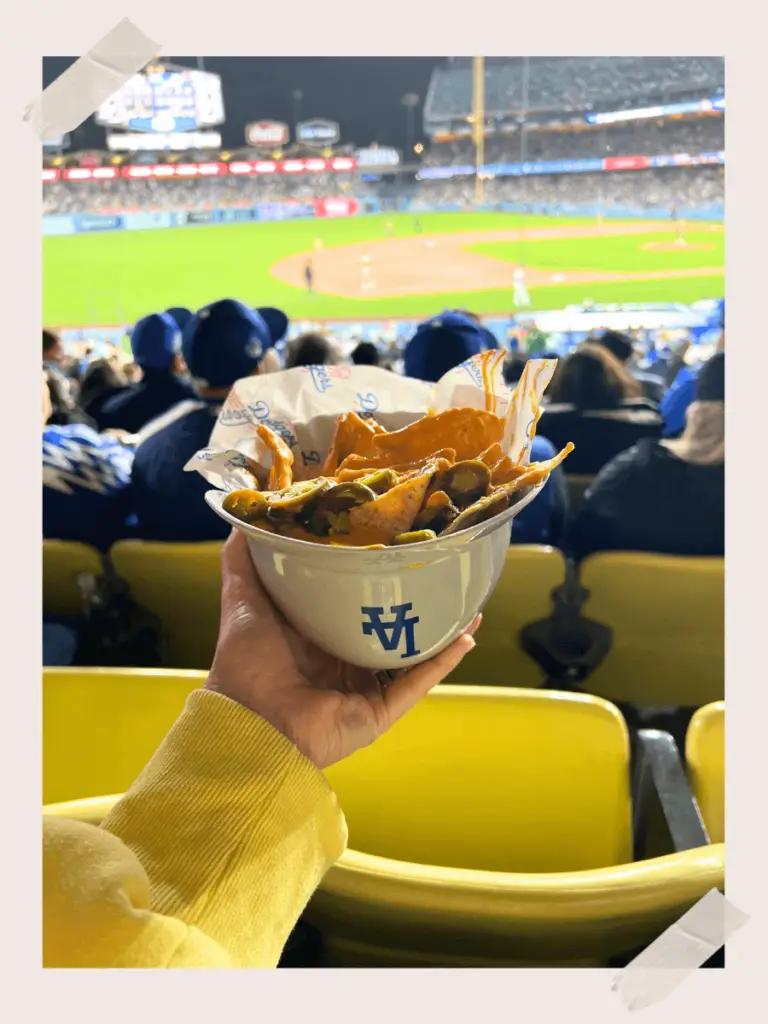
pixel 165 99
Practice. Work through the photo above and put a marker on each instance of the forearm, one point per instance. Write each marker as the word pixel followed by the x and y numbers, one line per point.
pixel 233 827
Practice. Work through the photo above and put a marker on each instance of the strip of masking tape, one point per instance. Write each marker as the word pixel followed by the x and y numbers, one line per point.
pixel 90 81
pixel 681 949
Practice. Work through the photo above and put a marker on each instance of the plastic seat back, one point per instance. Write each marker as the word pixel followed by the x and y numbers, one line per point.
pixel 495 779
pixel 181 585
pixel 64 562
pixel 667 617
pixel 101 726
pixel 522 595
pixel 705 756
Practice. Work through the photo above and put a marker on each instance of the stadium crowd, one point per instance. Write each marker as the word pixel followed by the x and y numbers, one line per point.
pixel 145 194
pixel 114 452
pixel 571 83
pixel 669 188
pixel 636 138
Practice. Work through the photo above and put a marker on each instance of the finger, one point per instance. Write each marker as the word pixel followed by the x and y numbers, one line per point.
pixel 474 625
pixel 240 581
pixel 401 695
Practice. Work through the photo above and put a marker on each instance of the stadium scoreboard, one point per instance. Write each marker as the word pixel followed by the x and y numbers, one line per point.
pixel 165 99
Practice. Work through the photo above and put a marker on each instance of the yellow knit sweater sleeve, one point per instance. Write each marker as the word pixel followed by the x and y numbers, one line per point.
pixel 208 860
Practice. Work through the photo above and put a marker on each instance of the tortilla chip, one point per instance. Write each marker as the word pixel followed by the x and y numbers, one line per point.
pixel 280 475
pixel 395 510
pixel 352 434
pixel 491 455
pixel 505 470
pixel 466 431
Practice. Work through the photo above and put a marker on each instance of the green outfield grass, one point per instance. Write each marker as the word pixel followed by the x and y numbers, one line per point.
pixel 117 277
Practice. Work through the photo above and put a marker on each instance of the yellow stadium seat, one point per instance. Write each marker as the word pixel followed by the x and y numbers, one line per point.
pixel 492 827
pixel 64 562
pixel 101 726
pixel 705 757
pixel 181 585
pixel 523 595
pixel 667 618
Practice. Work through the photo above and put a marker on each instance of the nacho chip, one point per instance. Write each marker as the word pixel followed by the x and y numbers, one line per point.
pixel 466 431
pixel 491 455
pixel 352 434
pixel 505 470
pixel 395 510
pixel 280 475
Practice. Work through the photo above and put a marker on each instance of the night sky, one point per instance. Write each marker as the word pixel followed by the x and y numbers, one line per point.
pixel 362 93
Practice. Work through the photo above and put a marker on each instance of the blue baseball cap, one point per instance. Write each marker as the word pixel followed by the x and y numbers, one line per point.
pixel 441 343
pixel 226 340
pixel 155 341
pixel 181 315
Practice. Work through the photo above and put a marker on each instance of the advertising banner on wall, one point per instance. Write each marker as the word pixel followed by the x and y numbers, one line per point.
pixel 318 132
pixel 626 163
pixel 266 134
pixel 377 156
pixel 337 206
pixel 98 222
pixel 136 142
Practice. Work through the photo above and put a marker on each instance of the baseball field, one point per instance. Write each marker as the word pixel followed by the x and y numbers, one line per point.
pixel 379 266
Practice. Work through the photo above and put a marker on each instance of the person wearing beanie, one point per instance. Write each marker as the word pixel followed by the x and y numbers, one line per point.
pixel 446 341
pixel 156 344
pixel 665 496
pixel 222 343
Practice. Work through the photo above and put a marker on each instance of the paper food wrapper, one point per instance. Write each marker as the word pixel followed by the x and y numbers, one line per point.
pixel 302 406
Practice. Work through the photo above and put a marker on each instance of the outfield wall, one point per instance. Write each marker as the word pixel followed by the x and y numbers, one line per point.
pixel 335 207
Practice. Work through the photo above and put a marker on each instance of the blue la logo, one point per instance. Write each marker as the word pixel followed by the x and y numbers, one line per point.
pixel 390 632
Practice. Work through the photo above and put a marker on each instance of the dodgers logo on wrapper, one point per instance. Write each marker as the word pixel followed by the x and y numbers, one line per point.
pixel 390 632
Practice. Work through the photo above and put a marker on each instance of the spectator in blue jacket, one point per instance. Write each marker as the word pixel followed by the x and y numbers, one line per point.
pixel 156 344
pixel 445 342
pixel 223 343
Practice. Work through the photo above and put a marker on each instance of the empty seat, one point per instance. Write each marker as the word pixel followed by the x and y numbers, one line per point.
pixel 705 757
pixel 492 827
pixel 181 585
pixel 64 562
pixel 667 618
pixel 101 726
pixel 523 594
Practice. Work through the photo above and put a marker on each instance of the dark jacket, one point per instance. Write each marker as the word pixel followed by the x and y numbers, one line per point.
pixel 169 503
pixel 647 499
pixel 133 407
pixel 598 435
pixel 95 407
